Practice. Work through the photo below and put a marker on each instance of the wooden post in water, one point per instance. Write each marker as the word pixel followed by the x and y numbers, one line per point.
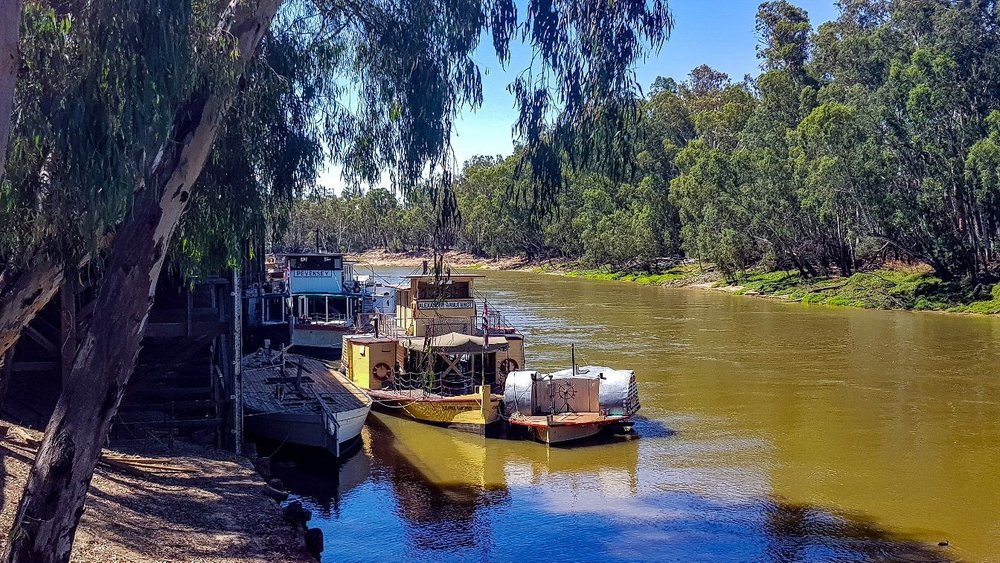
pixel 236 393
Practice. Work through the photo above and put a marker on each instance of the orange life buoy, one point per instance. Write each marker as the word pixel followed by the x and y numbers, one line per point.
pixel 381 371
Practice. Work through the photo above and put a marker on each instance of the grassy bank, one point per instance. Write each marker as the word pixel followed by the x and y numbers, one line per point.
pixel 682 274
pixel 899 287
pixel 909 288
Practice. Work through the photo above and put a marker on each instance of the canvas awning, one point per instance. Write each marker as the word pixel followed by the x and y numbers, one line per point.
pixel 454 343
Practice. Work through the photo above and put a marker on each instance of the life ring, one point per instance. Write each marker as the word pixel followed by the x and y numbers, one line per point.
pixel 382 371
pixel 508 365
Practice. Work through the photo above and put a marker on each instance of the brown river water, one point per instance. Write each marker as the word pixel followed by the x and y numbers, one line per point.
pixel 768 432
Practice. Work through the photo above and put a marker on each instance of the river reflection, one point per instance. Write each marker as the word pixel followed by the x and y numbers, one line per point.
pixel 437 495
pixel 769 432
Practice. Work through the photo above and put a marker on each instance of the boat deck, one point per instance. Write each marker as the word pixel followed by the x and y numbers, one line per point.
pixel 565 419
pixel 267 390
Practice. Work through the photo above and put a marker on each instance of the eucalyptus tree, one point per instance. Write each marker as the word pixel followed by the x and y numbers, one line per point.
pixel 924 74
pixel 10 23
pixel 786 94
pixel 941 93
pixel 86 112
pixel 982 171
pixel 707 190
pixel 409 66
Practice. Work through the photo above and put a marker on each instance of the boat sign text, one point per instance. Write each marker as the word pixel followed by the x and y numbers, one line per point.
pixel 463 304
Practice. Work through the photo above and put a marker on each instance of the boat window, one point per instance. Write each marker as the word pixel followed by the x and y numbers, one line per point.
pixel 452 290
pixel 321 308
pixel 316 262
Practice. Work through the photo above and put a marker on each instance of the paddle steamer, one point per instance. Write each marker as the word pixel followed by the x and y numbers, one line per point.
pixel 439 356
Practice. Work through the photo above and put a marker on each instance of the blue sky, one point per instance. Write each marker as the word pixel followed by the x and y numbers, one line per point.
pixel 719 33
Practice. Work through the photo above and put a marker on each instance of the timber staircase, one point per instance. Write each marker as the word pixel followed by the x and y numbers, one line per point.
pixel 183 377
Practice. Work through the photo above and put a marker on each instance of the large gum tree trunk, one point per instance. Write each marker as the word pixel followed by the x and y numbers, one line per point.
pixel 23 293
pixel 53 500
pixel 10 25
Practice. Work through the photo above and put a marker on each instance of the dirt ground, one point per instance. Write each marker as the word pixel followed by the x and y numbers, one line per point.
pixel 214 512
pixel 452 258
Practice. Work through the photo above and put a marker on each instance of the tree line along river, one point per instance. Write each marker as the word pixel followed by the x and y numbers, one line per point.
pixel 769 431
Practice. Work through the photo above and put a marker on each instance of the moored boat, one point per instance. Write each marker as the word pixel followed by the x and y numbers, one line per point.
pixel 299 400
pixel 569 404
pixel 433 361
pixel 326 301
pixel 454 388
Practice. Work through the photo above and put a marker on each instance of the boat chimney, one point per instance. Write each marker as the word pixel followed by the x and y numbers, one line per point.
pixel 572 352
pixel 375 320
pixel 424 272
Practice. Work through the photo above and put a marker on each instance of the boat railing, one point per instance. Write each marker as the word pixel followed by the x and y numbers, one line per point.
pixel 323 317
pixel 449 384
pixel 498 323
pixel 389 325
pixel 330 423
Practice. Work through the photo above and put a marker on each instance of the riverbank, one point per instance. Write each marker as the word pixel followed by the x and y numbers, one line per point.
pixel 454 259
pixel 895 286
pixel 208 507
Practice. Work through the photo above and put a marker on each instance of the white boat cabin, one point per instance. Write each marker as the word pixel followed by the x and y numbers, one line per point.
pixel 322 287
pixel 325 298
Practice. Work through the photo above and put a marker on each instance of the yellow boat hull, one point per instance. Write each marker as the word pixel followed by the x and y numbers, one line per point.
pixel 471 412
pixel 454 413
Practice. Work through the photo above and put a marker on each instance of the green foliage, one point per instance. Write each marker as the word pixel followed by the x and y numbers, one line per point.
pixel 268 151
pixel 674 274
pixel 89 108
pixel 771 282
pixel 875 138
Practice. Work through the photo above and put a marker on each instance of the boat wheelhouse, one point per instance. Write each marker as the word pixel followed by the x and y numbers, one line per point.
pixel 440 357
pixel 325 300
